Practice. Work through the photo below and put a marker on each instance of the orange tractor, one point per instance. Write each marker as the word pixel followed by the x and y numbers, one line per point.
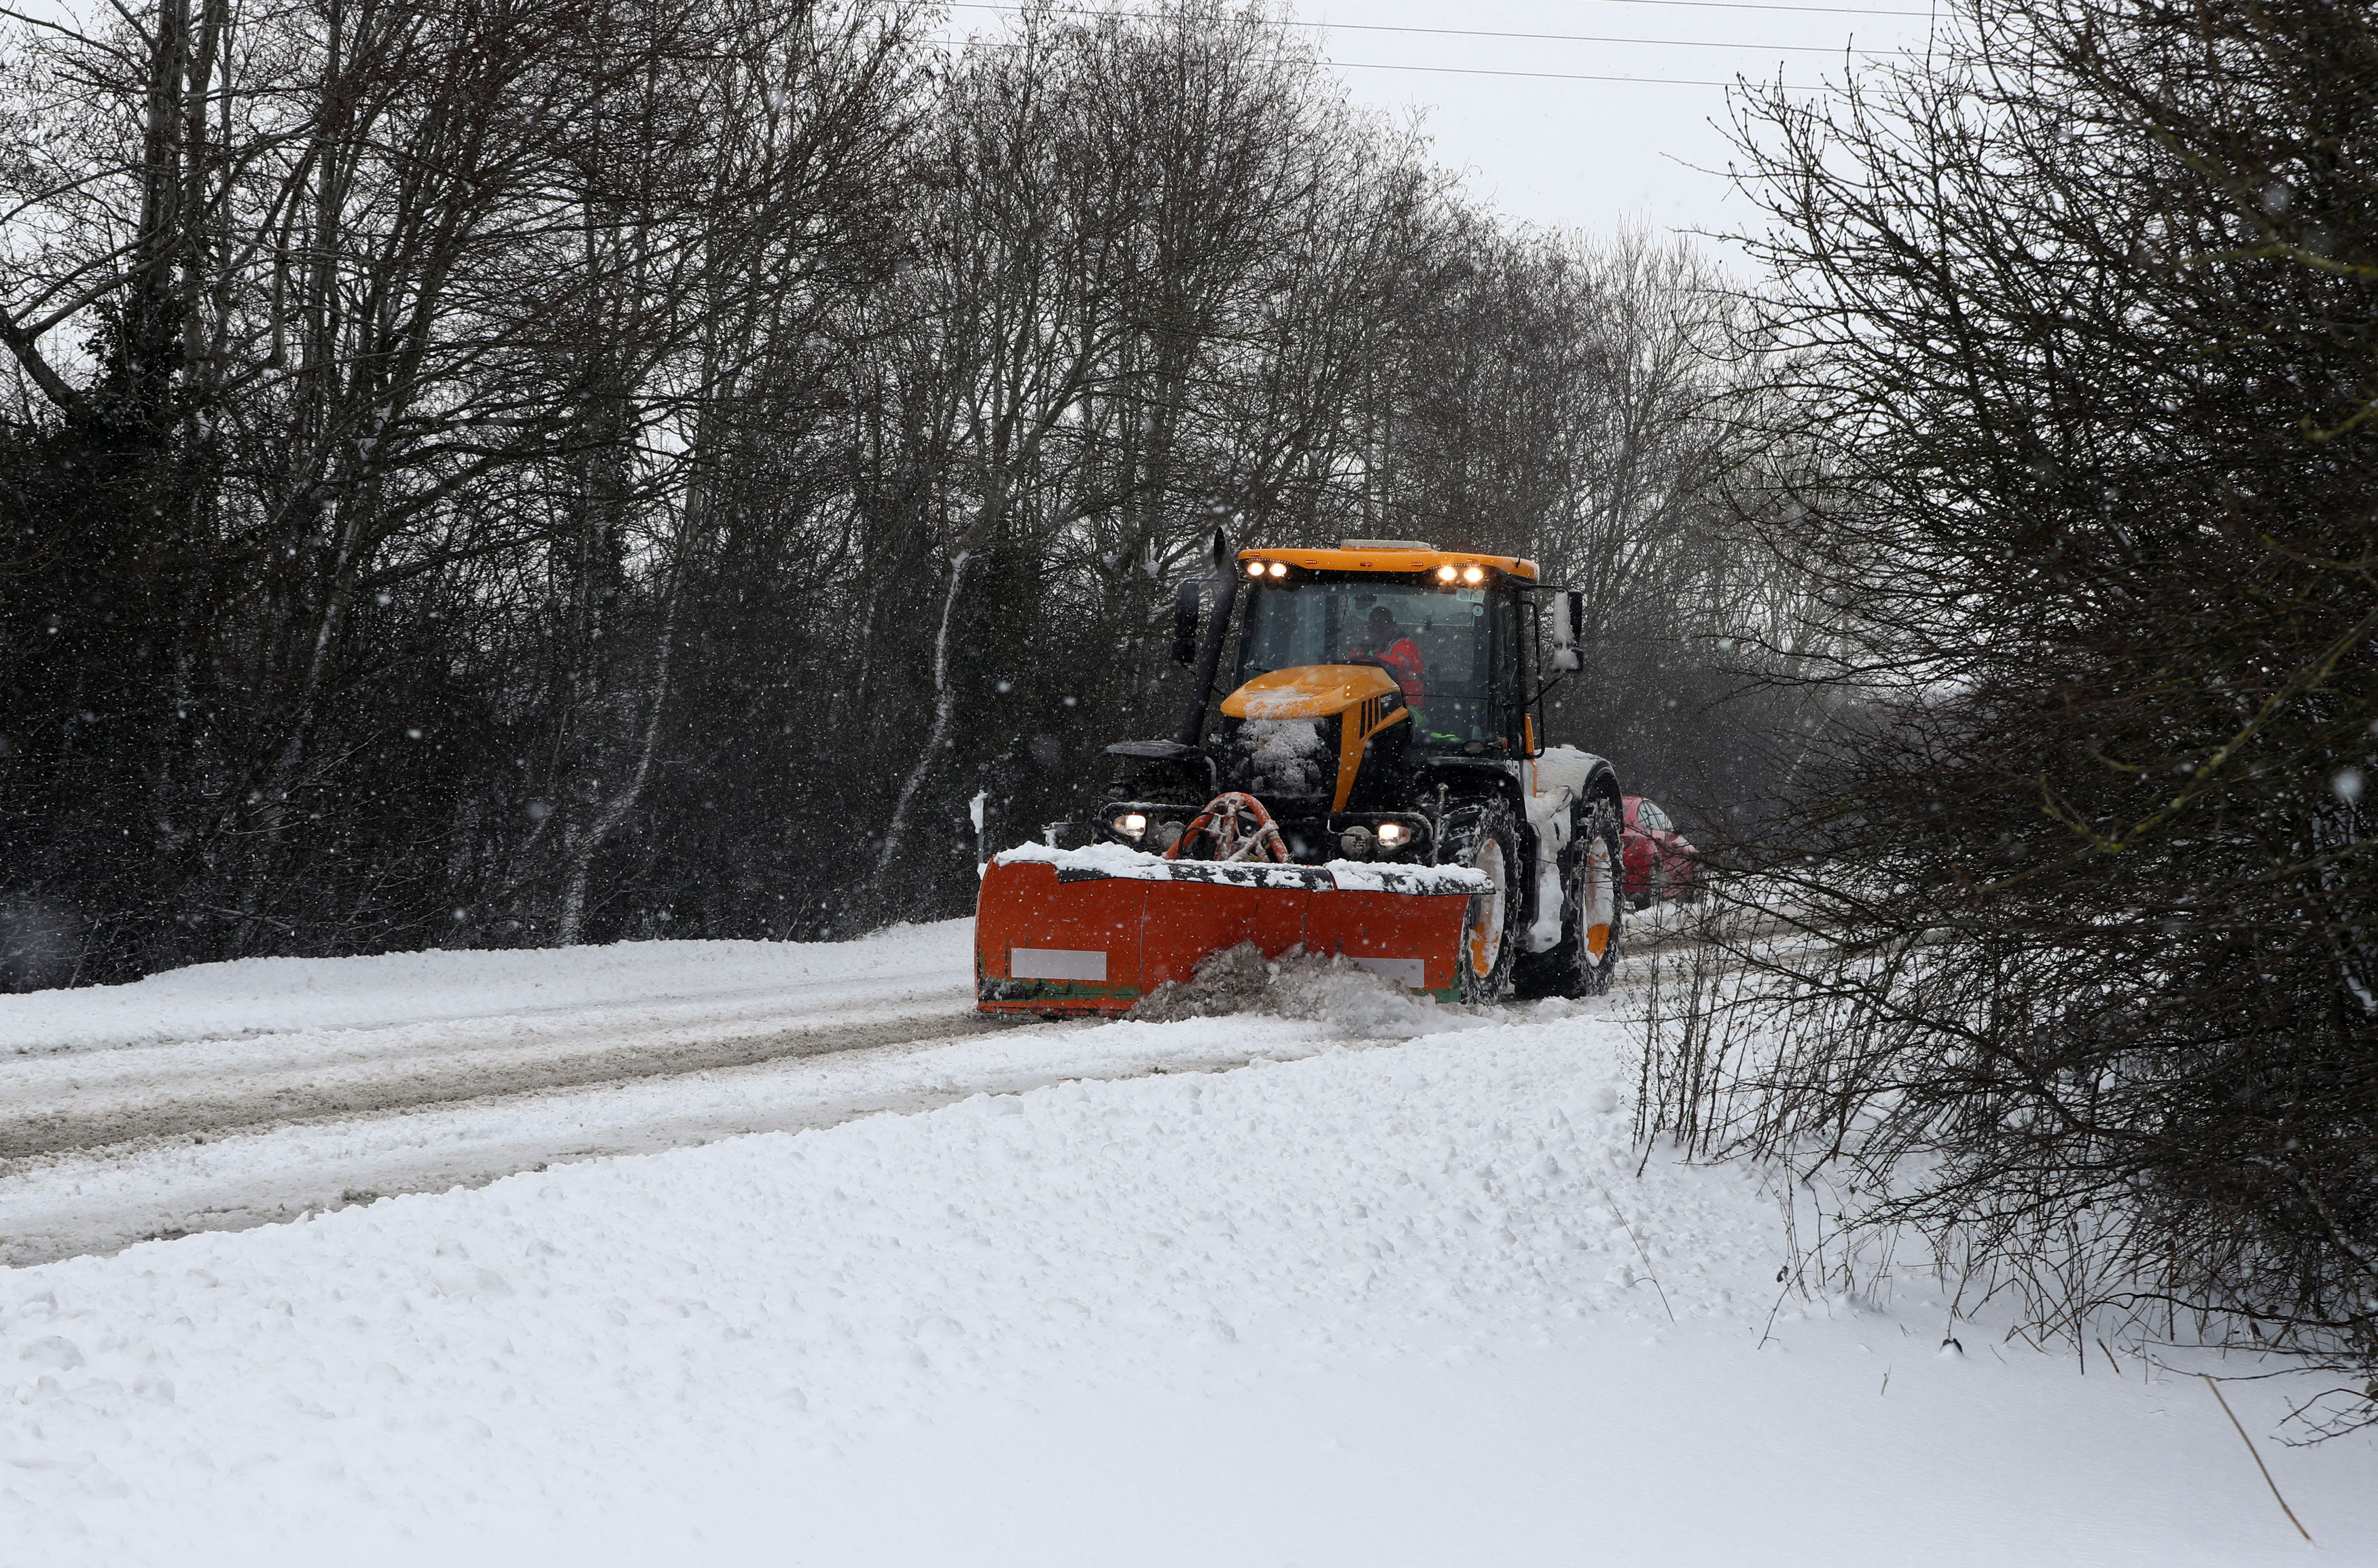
pixel 1374 785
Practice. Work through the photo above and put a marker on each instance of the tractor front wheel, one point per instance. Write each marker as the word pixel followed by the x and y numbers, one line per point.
pixel 1485 839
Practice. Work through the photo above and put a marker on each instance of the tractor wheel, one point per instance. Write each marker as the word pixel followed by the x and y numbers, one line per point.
pixel 1485 840
pixel 1587 959
pixel 1602 868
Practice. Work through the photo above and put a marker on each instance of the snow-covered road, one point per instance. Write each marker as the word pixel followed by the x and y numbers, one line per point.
pixel 234 1094
pixel 220 1045
pixel 230 1095
pixel 188 1090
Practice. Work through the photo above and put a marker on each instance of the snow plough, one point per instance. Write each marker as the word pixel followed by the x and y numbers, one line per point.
pixel 1373 786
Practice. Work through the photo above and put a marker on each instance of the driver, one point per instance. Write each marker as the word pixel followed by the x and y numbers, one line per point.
pixel 1387 643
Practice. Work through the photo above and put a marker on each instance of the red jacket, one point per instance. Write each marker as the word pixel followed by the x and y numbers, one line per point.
pixel 1403 657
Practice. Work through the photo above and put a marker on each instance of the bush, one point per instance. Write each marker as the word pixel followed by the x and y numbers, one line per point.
pixel 2080 317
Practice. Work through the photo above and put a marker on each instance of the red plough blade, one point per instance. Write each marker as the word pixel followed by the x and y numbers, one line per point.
pixel 1094 930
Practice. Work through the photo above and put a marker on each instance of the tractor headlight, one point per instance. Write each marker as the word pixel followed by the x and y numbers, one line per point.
pixel 1447 574
pixel 1255 568
pixel 1393 835
pixel 1473 574
pixel 1130 824
pixel 1280 568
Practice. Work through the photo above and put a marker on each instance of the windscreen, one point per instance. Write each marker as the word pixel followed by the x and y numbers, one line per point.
pixel 1435 642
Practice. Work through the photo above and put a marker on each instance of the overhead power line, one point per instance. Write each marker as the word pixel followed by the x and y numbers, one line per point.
pixel 1538 75
pixel 1528 37
pixel 1569 76
pixel 1469 33
pixel 1544 36
pixel 1663 42
pixel 1481 71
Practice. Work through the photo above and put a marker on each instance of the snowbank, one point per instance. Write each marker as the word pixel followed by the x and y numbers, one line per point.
pixel 1409 1305
pixel 260 996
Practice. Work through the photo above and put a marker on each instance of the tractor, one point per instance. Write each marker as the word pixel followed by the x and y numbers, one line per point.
pixel 1374 783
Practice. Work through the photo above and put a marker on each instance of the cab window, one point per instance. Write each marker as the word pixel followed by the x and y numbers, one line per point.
pixel 1314 620
pixel 1511 698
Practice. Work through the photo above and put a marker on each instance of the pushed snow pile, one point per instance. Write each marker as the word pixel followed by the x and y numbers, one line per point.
pixel 1101 860
pixel 1324 988
pixel 1345 875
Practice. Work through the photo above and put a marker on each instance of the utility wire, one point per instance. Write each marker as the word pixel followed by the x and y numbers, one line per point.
pixel 1469 33
pixel 1668 42
pixel 1534 38
pixel 1537 75
pixel 1470 71
pixel 1459 32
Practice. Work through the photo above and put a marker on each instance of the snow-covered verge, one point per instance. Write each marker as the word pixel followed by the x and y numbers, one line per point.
pixel 259 998
pixel 1394 1304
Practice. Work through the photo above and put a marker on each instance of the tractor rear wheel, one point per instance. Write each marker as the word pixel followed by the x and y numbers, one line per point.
pixel 1485 839
pixel 1603 867
pixel 1586 961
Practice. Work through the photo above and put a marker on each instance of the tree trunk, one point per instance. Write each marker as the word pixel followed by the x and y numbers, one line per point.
pixel 937 738
pixel 586 842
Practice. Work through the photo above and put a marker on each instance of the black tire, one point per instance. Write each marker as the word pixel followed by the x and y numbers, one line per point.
pixel 1487 838
pixel 1591 886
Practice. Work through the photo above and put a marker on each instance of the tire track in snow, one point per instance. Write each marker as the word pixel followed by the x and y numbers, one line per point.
pixel 98 1201
pixel 224 1101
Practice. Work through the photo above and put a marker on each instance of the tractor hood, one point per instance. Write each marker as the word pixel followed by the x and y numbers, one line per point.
pixel 1367 696
pixel 1308 691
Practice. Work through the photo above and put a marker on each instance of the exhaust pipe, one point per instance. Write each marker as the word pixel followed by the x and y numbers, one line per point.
pixel 1209 651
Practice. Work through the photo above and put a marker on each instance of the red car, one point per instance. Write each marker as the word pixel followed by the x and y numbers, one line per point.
pixel 1659 861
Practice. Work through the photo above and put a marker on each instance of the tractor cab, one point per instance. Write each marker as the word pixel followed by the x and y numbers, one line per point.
pixel 1363 688
pixel 1449 648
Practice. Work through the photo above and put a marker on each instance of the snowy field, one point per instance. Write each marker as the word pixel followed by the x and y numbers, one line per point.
pixel 1393 1292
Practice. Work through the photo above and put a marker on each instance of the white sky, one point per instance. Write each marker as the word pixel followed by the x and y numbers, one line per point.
pixel 1585 154
pixel 1569 153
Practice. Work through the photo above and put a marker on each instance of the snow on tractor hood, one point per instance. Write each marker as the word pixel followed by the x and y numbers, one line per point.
pixel 1308 691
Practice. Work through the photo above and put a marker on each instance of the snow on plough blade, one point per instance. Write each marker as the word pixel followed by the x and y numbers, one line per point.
pixel 1093 930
